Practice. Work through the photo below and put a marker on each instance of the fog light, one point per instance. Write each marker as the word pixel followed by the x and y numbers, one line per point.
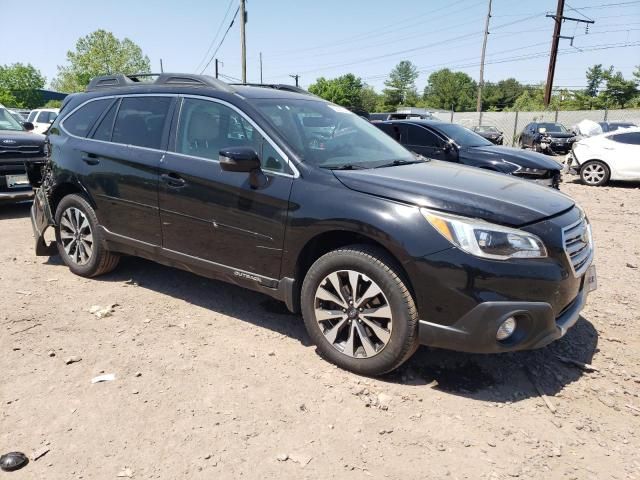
pixel 506 329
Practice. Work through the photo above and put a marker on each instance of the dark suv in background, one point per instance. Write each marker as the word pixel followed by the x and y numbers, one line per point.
pixel 547 137
pixel 298 198
pixel 20 149
pixel 455 143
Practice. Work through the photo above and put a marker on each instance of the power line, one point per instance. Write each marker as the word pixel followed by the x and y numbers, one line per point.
pixel 221 41
pixel 213 41
pixel 389 29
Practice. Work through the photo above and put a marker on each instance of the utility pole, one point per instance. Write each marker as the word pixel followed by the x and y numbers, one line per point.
pixel 557 29
pixel 243 40
pixel 260 68
pixel 296 76
pixel 216 68
pixel 161 68
pixel 484 49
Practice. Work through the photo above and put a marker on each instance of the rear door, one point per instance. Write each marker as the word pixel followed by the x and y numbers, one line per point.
pixel 216 216
pixel 119 161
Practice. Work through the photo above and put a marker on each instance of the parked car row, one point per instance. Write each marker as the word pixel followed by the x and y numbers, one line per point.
pixel 20 150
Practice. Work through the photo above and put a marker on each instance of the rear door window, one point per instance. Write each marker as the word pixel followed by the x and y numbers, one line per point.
pixel 141 120
pixel 79 123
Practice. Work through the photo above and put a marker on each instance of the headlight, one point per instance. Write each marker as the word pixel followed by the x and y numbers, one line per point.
pixel 484 239
pixel 531 171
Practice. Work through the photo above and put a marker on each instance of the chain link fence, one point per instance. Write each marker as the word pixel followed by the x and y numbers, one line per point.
pixel 512 123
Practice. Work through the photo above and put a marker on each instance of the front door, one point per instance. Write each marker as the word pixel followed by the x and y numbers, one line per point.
pixel 219 216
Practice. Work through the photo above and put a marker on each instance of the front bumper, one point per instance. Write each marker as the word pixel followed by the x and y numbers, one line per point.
pixel 476 331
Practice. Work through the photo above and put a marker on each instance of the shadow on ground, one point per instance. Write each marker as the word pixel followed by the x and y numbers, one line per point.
pixel 10 210
pixel 505 377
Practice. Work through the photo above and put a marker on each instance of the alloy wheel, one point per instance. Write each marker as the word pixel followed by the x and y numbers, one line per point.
pixel 76 235
pixel 353 313
pixel 594 173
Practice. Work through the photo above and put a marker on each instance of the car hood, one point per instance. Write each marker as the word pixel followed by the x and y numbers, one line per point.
pixel 11 138
pixel 461 190
pixel 497 154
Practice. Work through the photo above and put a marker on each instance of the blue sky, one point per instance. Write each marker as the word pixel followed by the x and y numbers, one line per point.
pixel 331 37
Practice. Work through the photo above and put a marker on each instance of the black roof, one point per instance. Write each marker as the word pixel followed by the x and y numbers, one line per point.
pixel 417 121
pixel 187 83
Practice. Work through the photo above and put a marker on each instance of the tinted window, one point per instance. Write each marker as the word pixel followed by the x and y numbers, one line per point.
pixel 551 127
pixel 631 138
pixel 422 137
pixel 47 117
pixel 462 135
pixel 80 122
pixel 32 116
pixel 140 121
pixel 104 130
pixel 392 130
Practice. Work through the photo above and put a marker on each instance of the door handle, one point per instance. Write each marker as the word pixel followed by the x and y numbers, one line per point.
pixel 173 180
pixel 90 158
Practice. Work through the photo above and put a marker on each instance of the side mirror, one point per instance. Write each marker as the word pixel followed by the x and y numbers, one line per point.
pixel 28 126
pixel 239 159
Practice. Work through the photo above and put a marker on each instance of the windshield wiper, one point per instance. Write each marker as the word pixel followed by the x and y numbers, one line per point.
pixel 347 166
pixel 395 163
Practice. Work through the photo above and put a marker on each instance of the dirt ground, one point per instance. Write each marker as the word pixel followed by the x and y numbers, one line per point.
pixel 213 381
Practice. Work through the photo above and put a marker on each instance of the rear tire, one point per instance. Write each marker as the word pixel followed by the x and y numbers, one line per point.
pixel 595 173
pixel 79 240
pixel 371 331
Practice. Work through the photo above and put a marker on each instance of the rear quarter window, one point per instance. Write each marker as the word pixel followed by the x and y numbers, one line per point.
pixel 79 123
pixel 629 138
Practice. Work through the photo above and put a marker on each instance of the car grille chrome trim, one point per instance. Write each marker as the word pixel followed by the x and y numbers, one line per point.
pixel 578 246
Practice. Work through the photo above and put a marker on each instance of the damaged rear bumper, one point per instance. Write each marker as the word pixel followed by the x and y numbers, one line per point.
pixel 41 219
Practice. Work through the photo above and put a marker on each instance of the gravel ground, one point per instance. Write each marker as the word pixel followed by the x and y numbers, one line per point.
pixel 212 381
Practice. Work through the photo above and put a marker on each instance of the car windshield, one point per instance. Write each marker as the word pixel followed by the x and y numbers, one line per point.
pixel 329 136
pixel 487 129
pixel 7 122
pixel 462 136
pixel 551 127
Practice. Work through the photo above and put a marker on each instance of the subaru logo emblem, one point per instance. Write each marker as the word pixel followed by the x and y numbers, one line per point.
pixel 8 141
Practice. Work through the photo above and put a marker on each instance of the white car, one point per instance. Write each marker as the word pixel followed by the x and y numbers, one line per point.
pixel 610 156
pixel 42 118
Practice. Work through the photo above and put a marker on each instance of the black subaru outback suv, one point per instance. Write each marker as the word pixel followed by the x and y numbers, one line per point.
pixel 298 198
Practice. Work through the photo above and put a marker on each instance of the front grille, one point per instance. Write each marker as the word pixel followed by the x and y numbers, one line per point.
pixel 12 151
pixel 578 245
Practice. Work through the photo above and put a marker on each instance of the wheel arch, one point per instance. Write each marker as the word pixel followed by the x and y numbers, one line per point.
pixel 330 240
pixel 68 187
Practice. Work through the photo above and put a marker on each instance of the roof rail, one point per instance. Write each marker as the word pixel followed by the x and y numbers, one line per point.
pixel 276 86
pixel 119 80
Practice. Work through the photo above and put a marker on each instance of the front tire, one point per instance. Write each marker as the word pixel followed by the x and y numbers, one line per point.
pixel 79 239
pixel 595 173
pixel 358 310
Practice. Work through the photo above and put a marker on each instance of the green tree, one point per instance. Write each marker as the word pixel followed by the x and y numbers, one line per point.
pixel 401 85
pixel 447 89
pixel 501 95
pixel 595 76
pixel 99 53
pixel 8 100
pixel 53 104
pixel 618 91
pixel 370 98
pixel 20 83
pixel 345 90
